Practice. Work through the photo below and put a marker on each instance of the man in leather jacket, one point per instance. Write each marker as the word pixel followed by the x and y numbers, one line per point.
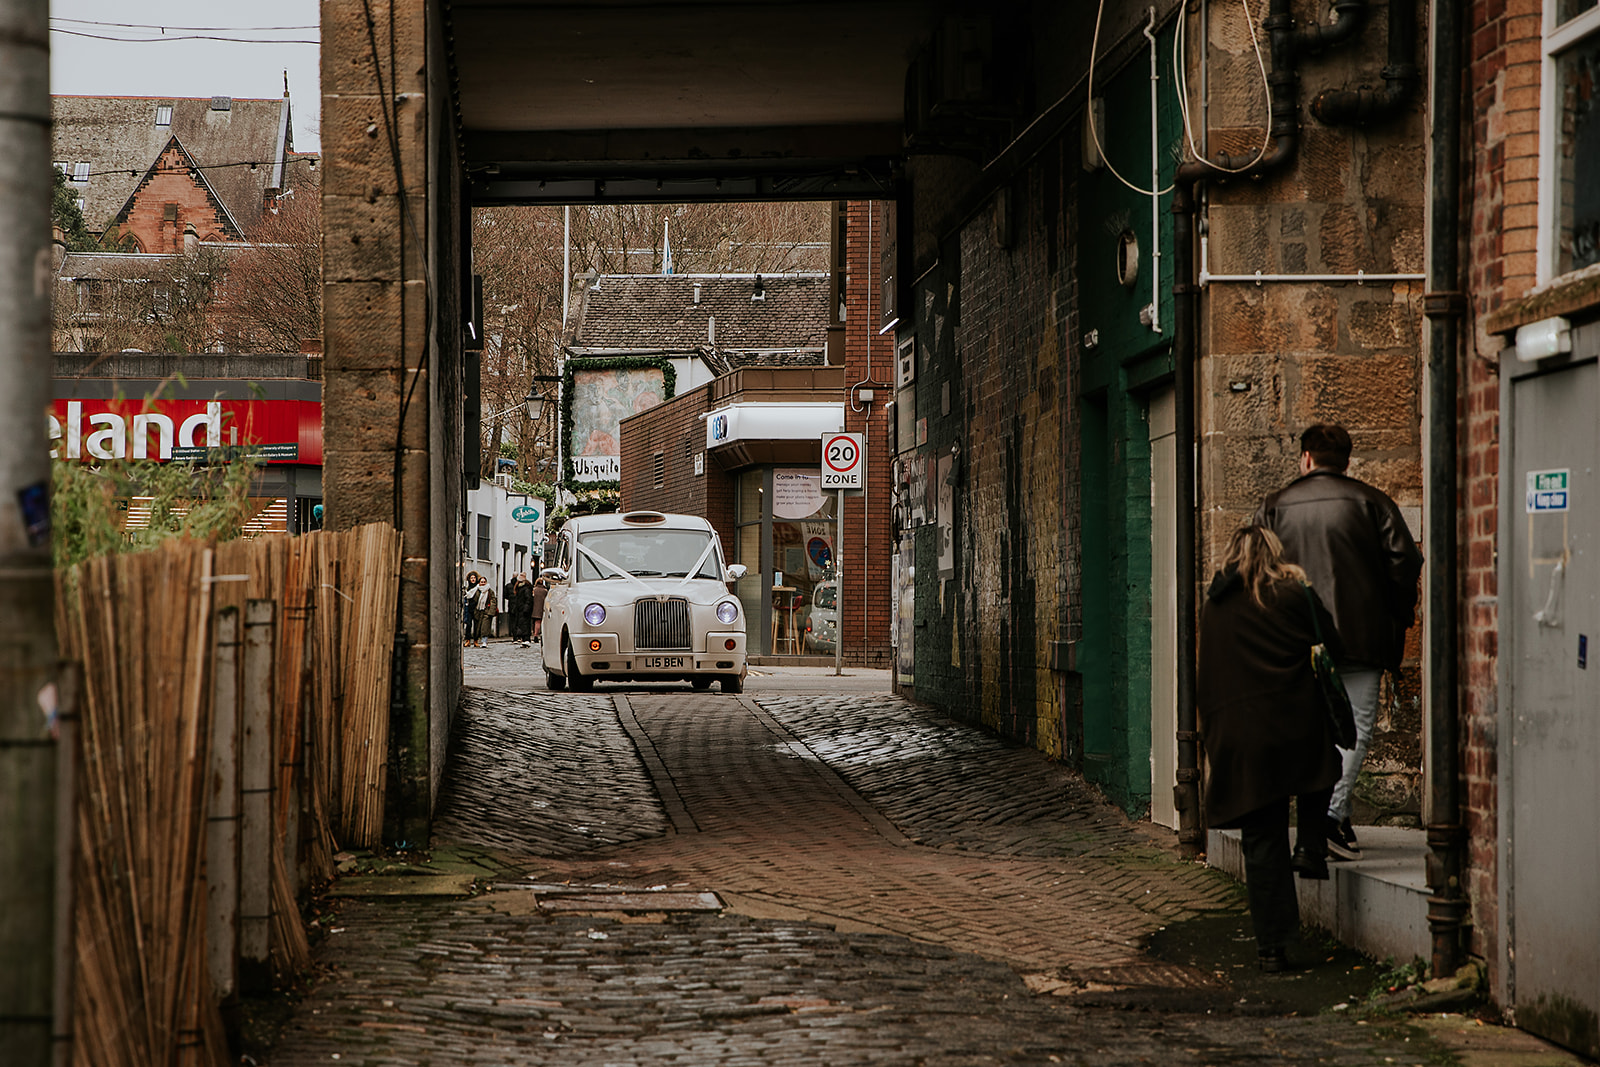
pixel 1353 544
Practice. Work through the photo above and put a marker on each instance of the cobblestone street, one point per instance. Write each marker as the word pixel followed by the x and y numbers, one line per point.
pixel 894 888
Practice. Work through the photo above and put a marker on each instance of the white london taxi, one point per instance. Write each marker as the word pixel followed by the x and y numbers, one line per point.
pixel 642 596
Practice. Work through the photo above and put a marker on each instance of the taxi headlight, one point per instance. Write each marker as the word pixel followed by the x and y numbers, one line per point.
pixel 727 612
pixel 594 614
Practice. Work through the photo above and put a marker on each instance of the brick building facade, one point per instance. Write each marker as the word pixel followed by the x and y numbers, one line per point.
pixel 672 461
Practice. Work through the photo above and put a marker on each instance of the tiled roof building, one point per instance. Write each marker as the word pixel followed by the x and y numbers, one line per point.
pixel 730 320
pixel 154 165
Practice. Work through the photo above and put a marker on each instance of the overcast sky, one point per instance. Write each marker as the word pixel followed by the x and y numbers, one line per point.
pixel 147 65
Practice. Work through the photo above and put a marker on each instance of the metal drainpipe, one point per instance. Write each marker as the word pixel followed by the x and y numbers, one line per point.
pixel 1444 305
pixel 1400 77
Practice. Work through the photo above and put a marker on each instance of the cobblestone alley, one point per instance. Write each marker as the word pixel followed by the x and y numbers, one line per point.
pixel 885 886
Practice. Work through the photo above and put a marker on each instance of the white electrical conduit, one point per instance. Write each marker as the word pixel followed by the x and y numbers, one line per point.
pixel 1155 180
pixel 1360 277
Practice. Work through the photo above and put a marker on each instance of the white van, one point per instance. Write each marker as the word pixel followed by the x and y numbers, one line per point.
pixel 642 596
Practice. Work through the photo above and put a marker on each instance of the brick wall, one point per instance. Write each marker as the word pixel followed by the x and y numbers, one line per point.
pixel 676 432
pixel 172 190
pixel 869 357
pixel 1503 110
pixel 996 327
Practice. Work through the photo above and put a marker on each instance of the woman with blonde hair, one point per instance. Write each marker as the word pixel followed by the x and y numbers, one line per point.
pixel 1264 728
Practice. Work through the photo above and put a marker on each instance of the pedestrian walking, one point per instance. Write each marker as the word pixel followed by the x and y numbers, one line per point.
pixel 519 609
pixel 1353 544
pixel 1265 730
pixel 484 609
pixel 469 614
pixel 541 589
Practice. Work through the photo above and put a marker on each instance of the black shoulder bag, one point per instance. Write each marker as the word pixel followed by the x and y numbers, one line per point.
pixel 1341 717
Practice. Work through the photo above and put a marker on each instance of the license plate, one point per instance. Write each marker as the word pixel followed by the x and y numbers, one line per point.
pixel 663 662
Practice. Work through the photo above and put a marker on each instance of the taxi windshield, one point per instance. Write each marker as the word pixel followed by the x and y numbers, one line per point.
pixel 648 554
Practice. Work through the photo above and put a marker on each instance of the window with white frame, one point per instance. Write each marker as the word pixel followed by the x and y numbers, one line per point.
pixel 1570 137
pixel 164 115
pixel 80 172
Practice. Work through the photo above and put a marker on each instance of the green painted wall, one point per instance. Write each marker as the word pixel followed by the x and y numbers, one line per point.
pixel 1122 358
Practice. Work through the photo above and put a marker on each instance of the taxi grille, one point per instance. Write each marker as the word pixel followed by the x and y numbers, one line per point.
pixel 661 623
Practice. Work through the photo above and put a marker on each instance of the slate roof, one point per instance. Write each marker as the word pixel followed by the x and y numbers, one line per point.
pixel 653 312
pixel 119 139
pixel 124 266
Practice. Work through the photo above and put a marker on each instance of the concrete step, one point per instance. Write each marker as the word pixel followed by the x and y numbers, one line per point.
pixel 1378 904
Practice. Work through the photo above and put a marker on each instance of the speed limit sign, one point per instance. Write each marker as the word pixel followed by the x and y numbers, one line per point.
pixel 843 459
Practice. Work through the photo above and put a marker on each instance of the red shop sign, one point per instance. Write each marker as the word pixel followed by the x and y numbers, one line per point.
pixel 282 431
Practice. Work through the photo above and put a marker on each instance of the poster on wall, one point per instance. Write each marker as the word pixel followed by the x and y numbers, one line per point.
pixel 796 494
pixel 917 488
pixel 818 548
pixel 601 398
pixel 946 512
pixel 905 612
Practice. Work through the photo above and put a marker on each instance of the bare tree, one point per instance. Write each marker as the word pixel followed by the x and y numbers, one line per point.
pixel 153 304
pixel 518 253
pixel 272 298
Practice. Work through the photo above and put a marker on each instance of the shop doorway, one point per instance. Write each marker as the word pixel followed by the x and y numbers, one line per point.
pixel 786 527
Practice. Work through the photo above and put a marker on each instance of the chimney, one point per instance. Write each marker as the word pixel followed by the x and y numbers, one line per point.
pixel 697 292
pixel 711 331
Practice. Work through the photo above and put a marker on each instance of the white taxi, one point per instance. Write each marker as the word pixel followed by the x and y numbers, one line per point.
pixel 642 596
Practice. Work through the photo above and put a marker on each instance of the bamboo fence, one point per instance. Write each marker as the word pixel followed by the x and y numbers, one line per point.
pixel 142 627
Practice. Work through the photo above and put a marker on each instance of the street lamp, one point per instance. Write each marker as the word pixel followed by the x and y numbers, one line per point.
pixel 534 402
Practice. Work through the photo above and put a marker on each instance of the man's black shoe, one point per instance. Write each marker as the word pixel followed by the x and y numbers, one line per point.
pixel 1273 960
pixel 1308 866
pixel 1342 840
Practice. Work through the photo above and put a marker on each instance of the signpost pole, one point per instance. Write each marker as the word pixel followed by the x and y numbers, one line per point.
pixel 842 463
pixel 838 591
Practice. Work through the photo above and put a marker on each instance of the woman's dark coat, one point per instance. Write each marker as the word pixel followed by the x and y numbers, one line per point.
pixel 1262 721
pixel 519 603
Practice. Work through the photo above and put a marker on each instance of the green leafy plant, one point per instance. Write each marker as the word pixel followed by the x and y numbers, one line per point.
pixel 1397 976
pixel 89 504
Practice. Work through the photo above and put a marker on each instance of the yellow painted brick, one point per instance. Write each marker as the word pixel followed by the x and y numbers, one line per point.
pixel 1525 51
pixel 1519 192
pixel 1519 215
pixel 1522 266
pixel 1521 169
pixel 1523 27
pixel 1521 74
pixel 1522 145
pixel 1522 98
pixel 1519 240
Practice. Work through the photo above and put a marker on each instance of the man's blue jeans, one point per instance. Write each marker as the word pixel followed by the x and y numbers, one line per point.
pixel 1361 683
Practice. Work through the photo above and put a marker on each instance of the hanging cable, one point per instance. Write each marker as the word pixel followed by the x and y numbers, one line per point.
pixel 1180 67
pixel 1094 131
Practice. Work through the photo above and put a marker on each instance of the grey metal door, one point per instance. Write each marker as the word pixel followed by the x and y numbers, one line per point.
pixel 1550 715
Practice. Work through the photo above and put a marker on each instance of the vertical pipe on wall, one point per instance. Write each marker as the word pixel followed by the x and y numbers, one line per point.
pixel 1191 832
pixel 1155 181
pixel 1443 304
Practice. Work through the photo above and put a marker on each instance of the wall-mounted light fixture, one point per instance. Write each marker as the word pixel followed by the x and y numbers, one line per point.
pixel 1543 339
